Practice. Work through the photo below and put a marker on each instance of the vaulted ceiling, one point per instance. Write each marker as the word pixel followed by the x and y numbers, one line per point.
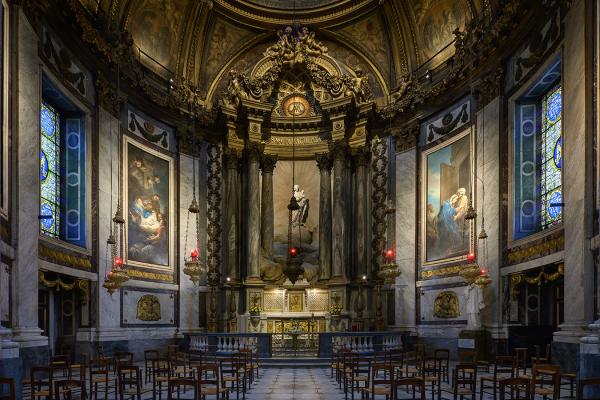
pixel 202 40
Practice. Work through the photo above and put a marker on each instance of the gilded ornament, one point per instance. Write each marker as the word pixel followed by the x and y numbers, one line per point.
pixel 148 308
pixel 446 305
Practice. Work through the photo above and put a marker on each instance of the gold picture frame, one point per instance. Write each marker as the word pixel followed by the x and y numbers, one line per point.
pixel 296 302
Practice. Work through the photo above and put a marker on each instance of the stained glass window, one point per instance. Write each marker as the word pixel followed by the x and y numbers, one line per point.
pixel 551 159
pixel 50 196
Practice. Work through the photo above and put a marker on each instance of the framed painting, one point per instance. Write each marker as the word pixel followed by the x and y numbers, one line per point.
pixel 296 302
pixel 148 203
pixel 447 178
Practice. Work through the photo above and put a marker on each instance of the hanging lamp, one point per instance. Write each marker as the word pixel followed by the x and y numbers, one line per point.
pixel 117 275
pixel 193 267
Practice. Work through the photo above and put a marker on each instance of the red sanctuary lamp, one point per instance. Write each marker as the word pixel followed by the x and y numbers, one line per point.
pixel 193 268
pixel 389 270
pixel 116 277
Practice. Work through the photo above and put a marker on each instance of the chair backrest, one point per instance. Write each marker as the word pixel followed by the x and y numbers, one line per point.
pixel 208 375
pixel 504 365
pixel 411 383
pixel 587 383
pixel 176 384
pixel 382 374
pixel 7 385
pixel 465 374
pixel 41 376
pixel 467 356
pixel 442 354
pixel 150 355
pixel 100 366
pixel 514 387
pixel 63 389
pixel 123 358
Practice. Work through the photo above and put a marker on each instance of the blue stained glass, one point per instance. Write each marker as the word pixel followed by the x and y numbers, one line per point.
pixel 554 206
pixel 49 170
pixel 554 109
pixel 43 166
pixel 48 120
pixel 558 153
pixel 47 213
pixel 551 159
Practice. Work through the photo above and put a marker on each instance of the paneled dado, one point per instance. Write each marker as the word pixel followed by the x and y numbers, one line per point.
pixel 344 174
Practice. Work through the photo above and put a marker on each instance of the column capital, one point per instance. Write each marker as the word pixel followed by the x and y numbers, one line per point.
pixel 324 161
pixel 362 156
pixel 339 150
pixel 267 163
pixel 254 151
pixel 232 158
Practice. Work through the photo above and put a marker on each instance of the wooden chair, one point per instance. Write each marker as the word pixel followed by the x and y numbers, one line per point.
pixel 100 374
pixel 177 384
pixel 149 356
pixel 587 383
pixel 7 389
pixel 520 354
pixel 60 363
pixel 545 381
pixel 568 379
pixel 356 373
pixel 380 386
pixel 122 358
pixel 442 359
pixel 64 389
pixel 233 374
pixel 79 368
pixel 464 380
pixel 336 358
pixel 161 374
pixel 431 373
pixel 514 387
pixel 41 381
pixel 413 364
pixel 541 359
pixel 209 383
pixel 417 385
pixel 504 367
pixel 130 381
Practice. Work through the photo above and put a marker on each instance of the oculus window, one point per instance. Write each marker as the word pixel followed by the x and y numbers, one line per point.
pixel 537 155
pixel 62 167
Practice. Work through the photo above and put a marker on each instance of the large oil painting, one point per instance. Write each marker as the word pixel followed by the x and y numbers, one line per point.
pixel 148 207
pixel 447 171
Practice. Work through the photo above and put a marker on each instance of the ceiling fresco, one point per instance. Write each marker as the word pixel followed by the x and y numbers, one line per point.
pixel 202 40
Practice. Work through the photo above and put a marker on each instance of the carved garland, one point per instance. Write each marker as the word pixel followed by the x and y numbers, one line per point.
pixel 214 182
pixel 518 279
pixel 378 196
pixel 81 284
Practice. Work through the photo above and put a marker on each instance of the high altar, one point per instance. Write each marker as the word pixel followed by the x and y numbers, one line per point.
pixel 299 125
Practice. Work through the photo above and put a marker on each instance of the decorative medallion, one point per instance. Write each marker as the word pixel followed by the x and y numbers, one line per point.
pixel 148 308
pixel 446 305
pixel 296 106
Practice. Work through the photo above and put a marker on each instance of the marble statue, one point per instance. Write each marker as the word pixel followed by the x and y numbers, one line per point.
pixel 300 215
pixel 474 304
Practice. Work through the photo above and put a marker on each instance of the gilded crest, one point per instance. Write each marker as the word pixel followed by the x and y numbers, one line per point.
pixel 148 308
pixel 446 305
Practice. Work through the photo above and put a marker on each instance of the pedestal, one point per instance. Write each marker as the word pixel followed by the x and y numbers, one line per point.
pixel 473 341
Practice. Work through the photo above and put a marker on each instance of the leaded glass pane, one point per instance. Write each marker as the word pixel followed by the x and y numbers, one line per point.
pixel 49 171
pixel 551 159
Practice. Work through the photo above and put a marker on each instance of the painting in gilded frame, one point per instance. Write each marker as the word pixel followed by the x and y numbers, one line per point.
pixel 148 207
pixel 447 177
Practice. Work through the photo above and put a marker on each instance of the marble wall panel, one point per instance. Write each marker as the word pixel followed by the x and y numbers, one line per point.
pixel 133 308
pixel 427 297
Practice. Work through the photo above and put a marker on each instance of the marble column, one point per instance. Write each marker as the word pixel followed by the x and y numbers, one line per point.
pixel 339 244
pixel 232 215
pixel 361 158
pixel 406 226
pixel 488 210
pixel 253 156
pixel 266 205
pixel 577 176
pixel 26 141
pixel 324 164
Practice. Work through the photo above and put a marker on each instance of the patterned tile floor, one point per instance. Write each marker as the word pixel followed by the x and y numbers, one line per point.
pixel 295 384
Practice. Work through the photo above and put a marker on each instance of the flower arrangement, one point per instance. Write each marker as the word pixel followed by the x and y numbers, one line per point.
pixel 254 309
pixel 336 309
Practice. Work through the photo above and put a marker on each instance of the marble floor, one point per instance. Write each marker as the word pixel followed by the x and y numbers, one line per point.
pixel 295 384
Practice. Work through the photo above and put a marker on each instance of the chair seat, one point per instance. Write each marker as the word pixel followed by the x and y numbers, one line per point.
pixel 162 379
pixel 568 375
pixel 463 391
pixel 100 379
pixel 212 390
pixel 41 393
pixel 378 390
pixel 361 378
pixel 430 379
pixel 130 391
pixel 544 391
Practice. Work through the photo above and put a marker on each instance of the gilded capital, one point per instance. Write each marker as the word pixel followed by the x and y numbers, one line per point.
pixel 254 151
pixel 267 164
pixel 324 161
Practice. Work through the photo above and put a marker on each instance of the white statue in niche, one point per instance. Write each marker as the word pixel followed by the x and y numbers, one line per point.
pixel 300 215
pixel 474 303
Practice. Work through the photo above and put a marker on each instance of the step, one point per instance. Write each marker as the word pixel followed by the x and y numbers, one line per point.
pixel 294 362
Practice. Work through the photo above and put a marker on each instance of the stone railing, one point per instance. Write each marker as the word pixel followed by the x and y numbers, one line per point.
pixel 224 343
pixel 360 342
